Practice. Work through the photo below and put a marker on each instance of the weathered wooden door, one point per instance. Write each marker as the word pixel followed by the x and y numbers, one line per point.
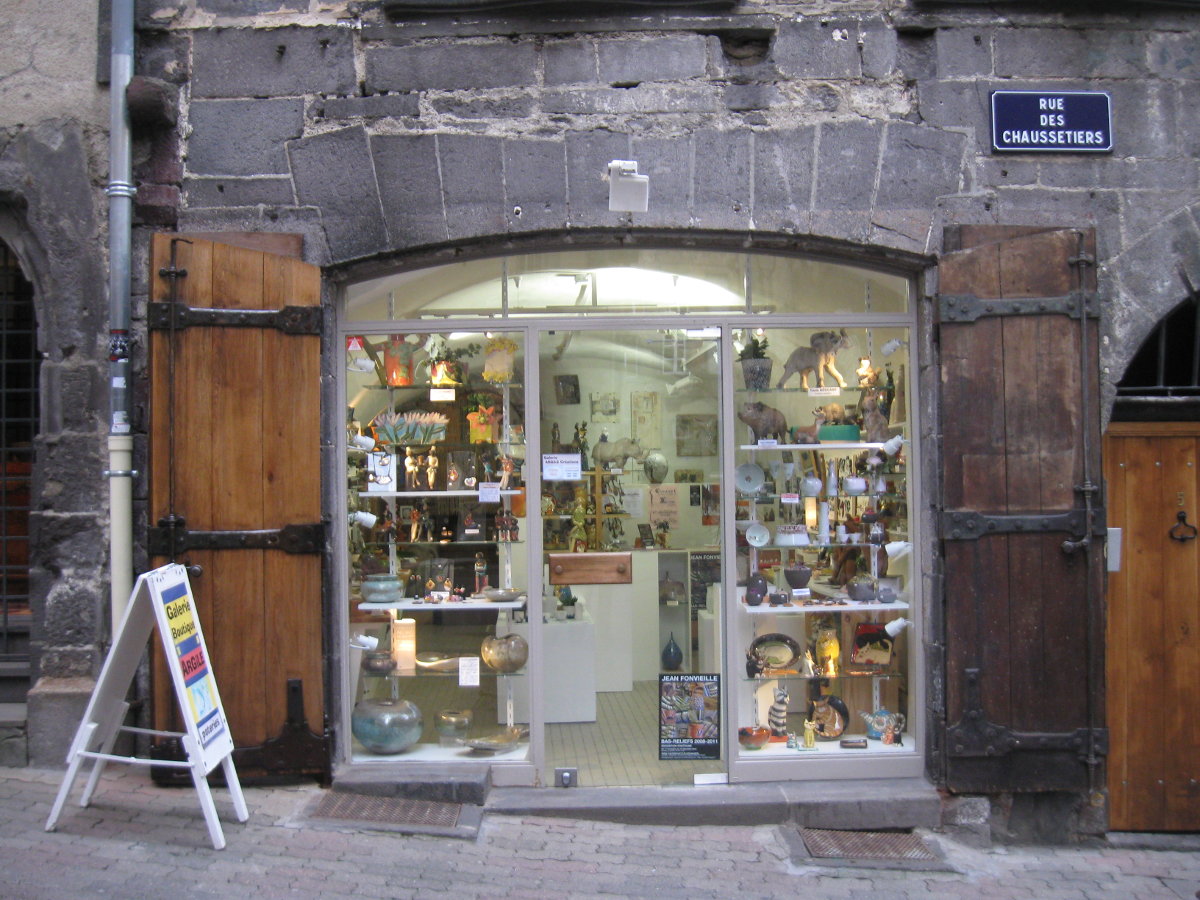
pixel 235 484
pixel 1021 518
pixel 1153 660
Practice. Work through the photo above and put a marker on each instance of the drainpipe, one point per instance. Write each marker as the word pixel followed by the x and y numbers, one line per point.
pixel 120 193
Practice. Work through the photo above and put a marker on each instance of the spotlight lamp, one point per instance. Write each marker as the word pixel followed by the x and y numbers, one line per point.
pixel 627 190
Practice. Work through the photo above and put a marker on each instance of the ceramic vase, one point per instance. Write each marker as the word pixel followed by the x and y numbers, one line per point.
pixel 386 726
pixel 672 655
pixel 452 726
pixel 797 576
pixel 506 653
pixel 756 373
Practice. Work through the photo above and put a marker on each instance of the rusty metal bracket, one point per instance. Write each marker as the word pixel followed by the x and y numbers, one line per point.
pixel 172 537
pixel 967 525
pixel 968 307
pixel 289 319
pixel 975 736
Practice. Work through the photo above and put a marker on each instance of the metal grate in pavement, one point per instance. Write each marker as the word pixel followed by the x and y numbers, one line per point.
pixel 899 845
pixel 387 810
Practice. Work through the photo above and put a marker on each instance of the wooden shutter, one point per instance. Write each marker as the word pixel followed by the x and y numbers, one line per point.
pixel 1020 466
pixel 235 484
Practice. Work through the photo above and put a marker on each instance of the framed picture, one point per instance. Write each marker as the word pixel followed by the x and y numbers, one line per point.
pixel 646 533
pixel 645 419
pixel 696 435
pixel 566 390
pixel 872 645
pixel 689 476
pixel 606 406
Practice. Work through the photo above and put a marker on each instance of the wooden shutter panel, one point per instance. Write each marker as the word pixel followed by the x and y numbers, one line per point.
pixel 1020 463
pixel 235 484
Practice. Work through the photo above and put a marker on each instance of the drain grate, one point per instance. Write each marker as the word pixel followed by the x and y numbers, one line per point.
pixel 387 810
pixel 900 845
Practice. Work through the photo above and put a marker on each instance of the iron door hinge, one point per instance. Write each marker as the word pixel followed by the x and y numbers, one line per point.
pixel 975 736
pixel 170 538
pixel 166 316
pixel 967 525
pixel 968 307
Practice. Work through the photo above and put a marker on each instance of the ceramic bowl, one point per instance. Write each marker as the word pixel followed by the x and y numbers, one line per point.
pixel 758 535
pixel 502 595
pixel 754 737
pixel 749 478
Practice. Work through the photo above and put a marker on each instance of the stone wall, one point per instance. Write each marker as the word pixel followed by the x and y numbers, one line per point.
pixel 53 149
pixel 860 123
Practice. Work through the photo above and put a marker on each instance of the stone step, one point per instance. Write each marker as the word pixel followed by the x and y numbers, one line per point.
pixel 14 743
pixel 14 680
pixel 468 784
pixel 902 803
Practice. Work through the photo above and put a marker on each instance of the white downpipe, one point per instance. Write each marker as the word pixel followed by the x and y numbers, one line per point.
pixel 120 192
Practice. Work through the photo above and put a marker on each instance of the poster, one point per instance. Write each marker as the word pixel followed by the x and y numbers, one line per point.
pixel 645 419
pixel 664 505
pixel 689 712
pixel 199 689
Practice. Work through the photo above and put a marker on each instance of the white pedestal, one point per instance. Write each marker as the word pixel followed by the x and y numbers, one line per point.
pixel 568 671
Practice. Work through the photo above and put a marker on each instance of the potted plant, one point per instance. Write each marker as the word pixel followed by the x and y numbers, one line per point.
pixel 446 365
pixel 756 365
pixel 567 600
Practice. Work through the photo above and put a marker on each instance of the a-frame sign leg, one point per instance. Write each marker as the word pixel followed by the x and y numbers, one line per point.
pixel 74 761
pixel 235 789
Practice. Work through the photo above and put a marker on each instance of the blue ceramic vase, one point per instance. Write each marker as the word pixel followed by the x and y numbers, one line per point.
pixel 672 655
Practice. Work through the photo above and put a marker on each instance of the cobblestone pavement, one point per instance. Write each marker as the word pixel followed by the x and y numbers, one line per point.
pixel 140 841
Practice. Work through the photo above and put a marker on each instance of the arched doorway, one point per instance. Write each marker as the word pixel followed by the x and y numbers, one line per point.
pixel 19 365
pixel 1151 460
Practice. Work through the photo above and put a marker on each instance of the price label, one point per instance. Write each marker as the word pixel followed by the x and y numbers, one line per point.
pixel 468 671
pixel 789 498
pixel 489 492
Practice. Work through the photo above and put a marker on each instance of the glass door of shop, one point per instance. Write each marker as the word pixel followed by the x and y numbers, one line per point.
pixel 630 482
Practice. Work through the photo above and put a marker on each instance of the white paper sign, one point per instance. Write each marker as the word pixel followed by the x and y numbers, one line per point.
pixel 789 498
pixel 468 671
pixel 441 395
pixel 561 467
pixel 489 492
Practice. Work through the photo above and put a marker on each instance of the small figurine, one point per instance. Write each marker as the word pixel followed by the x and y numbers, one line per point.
pixel 810 735
pixel 431 467
pixel 412 470
pixel 777 714
pixel 507 468
pixel 414 518
pixel 453 476
pixel 481 572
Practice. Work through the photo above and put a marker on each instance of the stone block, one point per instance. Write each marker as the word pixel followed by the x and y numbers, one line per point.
pixel 305 222
pixel 651 58
pixel 242 137
pixel 380 106
pixel 70 396
pixel 451 67
pixel 849 153
pixel 963 52
pixel 56 707
pixel 69 617
pixel 250 7
pixel 817 48
pixel 569 62
pixel 272 62
pixel 57 481
pixel 880 53
pixel 535 180
pixel 668 162
pixel 916 56
pixel 156 204
pixel 1173 55
pixel 721 178
pixel 520 107
pixel 1081 52
pixel 588 156
pixel 268 191
pixel 472 184
pixel 641 100
pixel 959 104
pixel 61 542
pixel 14 746
pixel 742 97
pixel 406 167
pixel 919 164
pixel 158 158
pixel 332 172
pixel 1149 121
pixel 163 55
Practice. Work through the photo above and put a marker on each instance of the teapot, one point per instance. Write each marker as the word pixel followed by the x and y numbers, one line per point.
pixel 879 721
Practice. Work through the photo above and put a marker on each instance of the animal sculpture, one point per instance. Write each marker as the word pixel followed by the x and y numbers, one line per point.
pixel 777 714
pixel 810 434
pixel 764 421
pixel 607 454
pixel 819 357
pixel 875 423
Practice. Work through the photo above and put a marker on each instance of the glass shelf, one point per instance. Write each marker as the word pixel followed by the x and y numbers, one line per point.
pixel 817 608
pixel 411 603
pixel 796 676
pixel 507 492
pixel 484 672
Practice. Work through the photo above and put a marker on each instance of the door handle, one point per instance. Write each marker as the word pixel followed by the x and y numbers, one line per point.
pixel 1182 531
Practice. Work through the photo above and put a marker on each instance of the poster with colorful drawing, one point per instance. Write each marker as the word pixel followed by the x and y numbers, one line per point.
pixel 689 716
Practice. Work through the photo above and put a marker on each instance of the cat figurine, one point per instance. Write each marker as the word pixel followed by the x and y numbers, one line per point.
pixel 778 712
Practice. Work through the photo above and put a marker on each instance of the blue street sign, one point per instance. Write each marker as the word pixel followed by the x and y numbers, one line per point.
pixel 1052 121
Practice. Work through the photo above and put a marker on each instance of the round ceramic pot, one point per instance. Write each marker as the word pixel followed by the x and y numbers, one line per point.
pixel 854 485
pixel 754 737
pixel 377 662
pixel 380 588
pixel 756 587
pixel 504 653
pixel 862 589
pixel 452 726
pixel 797 576
pixel 810 486
pixel 655 466
pixel 756 374
pixel 386 726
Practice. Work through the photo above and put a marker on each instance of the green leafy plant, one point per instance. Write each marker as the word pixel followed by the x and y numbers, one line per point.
pixel 755 348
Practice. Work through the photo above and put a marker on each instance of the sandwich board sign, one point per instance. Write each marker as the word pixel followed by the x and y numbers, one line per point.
pixel 161 599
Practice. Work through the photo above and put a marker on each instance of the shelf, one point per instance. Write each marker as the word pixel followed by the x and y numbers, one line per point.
pixel 839 445
pixel 411 603
pixel 825 749
pixel 794 676
pixel 484 672
pixel 817 608
pixel 473 386
pixel 438 543
pixel 385 494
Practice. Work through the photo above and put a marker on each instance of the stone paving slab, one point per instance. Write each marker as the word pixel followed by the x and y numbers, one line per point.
pixel 138 841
